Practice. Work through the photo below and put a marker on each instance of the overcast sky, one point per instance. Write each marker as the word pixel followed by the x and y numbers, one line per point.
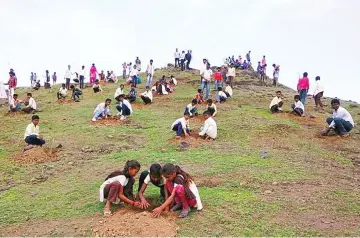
pixel 318 36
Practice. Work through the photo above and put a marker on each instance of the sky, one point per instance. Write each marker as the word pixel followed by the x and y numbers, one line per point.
pixel 316 36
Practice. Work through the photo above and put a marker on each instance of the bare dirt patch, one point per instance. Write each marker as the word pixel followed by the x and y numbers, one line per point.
pixel 64 101
pixel 192 141
pixel 36 155
pixel 110 121
pixel 209 182
pixel 198 119
pixel 127 222
pixel 14 114
pixel 306 121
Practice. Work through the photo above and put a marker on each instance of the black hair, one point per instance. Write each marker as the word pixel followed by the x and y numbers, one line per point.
pixel 274 65
pixel 108 100
pixel 207 113
pixel 72 86
pixel 147 87
pixel 297 97
pixel 15 95
pixel 278 91
pixel 130 164
pixel 151 60
pixel 305 74
pixel 194 101
pixel 155 170
pixel 96 81
pixel 132 85
pixel 186 114
pixel 62 85
pixel 209 101
pixel 121 95
pixel 335 100
pixel 219 88
pixel 121 85
pixel 199 90
pixel 35 117
pixel 317 78
pixel 170 168
pixel 172 76
pixel 29 94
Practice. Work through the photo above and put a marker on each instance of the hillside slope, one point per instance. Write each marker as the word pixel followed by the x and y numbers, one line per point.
pixel 307 185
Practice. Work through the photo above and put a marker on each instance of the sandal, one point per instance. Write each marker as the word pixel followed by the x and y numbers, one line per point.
pixel 107 213
pixel 184 214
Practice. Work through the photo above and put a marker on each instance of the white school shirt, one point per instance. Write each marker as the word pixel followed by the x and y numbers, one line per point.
pixel 300 105
pixel 148 94
pixel 126 102
pixel 150 69
pixel 207 75
pixel 203 69
pixel 190 107
pixel 120 178
pixel 222 94
pixel 184 123
pixel 118 92
pixel 229 90
pixel 133 72
pixel 276 73
pixel 164 90
pixel 177 54
pixel 343 114
pixel 82 73
pixel 231 72
pixel 319 88
pixel 68 74
pixel 100 108
pixel 275 101
pixel 32 103
pixel 31 129
pixel 97 86
pixel 210 128
pixel 182 56
pixel 174 81
pixel 147 180
pixel 63 91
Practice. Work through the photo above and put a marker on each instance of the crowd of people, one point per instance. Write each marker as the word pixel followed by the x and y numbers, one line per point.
pixel 177 188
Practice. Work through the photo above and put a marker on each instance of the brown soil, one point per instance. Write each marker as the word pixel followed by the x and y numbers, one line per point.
pixel 127 222
pixel 306 121
pixel 209 182
pixel 139 105
pixel 14 114
pixel 36 155
pixel 198 119
pixel 110 121
pixel 64 101
pixel 192 141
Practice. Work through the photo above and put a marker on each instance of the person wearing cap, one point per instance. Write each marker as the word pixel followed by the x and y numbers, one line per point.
pixel 341 122
pixel 150 70
pixel 209 129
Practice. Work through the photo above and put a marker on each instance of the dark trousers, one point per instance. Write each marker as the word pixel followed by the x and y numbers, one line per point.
pixel 75 95
pixel 317 99
pixel 146 100
pixel 124 74
pixel 341 126
pixel 192 111
pixel 96 90
pixel 81 81
pixel 134 80
pixel 176 62
pixel 141 182
pixel 33 140
pixel 179 130
pixel 28 110
pixel 123 109
pixel 67 83
pixel 182 61
pixel 59 96
pixel 131 99
pixel 298 111
pixel 188 64
pixel 303 94
pixel 276 107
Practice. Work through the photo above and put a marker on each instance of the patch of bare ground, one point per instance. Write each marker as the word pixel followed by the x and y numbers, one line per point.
pixel 191 141
pixel 110 121
pixel 14 114
pixel 124 222
pixel 207 181
pixel 65 101
pixel 37 155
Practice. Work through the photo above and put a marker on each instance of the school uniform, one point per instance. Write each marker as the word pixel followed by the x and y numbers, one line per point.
pixel 221 96
pixel 31 107
pixel 97 88
pixel 31 135
pixel 182 61
pixel 173 81
pixel 212 109
pixel 191 109
pixel 145 179
pixel 124 108
pixel 177 56
pixel 82 78
pixel 132 96
pixel 133 76
pixel 150 74
pixel 76 93
pixel 62 93
pixel 147 97
pixel 342 121
pixel 179 125
pixel 275 105
pixel 298 108
pixel 110 189
pixel 206 80
pixel 228 91
pixel 318 93
pixel 118 92
pixel 101 111
pixel 230 75
pixel 67 78
pixel 209 128
pixel 15 106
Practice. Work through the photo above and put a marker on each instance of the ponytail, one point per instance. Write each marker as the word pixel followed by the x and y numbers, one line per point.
pixel 170 168
pixel 129 164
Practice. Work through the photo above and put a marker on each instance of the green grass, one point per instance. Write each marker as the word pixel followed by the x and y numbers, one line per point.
pixel 235 206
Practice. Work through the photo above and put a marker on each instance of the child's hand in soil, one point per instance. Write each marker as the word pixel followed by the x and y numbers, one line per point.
pixel 137 204
pixel 156 212
pixel 144 204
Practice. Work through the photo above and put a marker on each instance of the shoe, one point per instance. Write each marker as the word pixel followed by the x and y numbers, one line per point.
pixel 122 118
pixel 118 114
pixel 94 119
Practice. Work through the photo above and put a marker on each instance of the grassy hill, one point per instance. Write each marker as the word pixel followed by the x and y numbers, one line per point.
pixel 308 185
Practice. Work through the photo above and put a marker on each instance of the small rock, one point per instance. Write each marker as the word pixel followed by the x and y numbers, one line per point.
pixel 274 183
pixel 101 222
pixel 327 221
pixel 163 150
pixel 268 192
pixel 110 136
pixel 263 154
pixel 70 163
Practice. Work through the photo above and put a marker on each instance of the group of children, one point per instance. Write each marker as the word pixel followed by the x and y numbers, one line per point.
pixel 30 104
pixel 177 188
pixel 276 104
pixel 102 110
pixel 76 92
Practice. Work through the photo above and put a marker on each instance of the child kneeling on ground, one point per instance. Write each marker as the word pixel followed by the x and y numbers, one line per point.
pixel 32 134
pixel 147 96
pixel 276 103
pixel 124 108
pixel 31 106
pixel 118 187
pixel 181 126
pixel 154 176
pixel 211 107
pixel 102 110
pixel 298 107
pixel 96 87
pixel 191 108
pixel 221 96
pixel 209 130
pixel 62 92
pixel 180 191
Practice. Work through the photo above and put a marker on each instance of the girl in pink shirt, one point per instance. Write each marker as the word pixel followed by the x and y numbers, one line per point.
pixel 93 72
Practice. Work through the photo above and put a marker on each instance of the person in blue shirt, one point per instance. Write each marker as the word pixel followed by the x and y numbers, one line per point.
pixel 245 65
pixel 132 94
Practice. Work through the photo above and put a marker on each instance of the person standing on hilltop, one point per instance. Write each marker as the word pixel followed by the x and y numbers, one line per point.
pixel 82 77
pixel 124 69
pixel 248 57
pixel 318 94
pixel 202 69
pixel 67 77
pixel 31 78
pixel 54 78
pixel 182 60
pixel 93 72
pixel 138 64
pixel 231 74
pixel 188 59
pixel 276 74
pixel 263 64
pixel 303 87
pixel 177 57
pixel 12 83
pixel 206 80
pixel 150 70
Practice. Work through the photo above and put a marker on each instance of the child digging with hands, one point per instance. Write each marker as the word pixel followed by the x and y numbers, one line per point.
pixel 118 187
pixel 180 193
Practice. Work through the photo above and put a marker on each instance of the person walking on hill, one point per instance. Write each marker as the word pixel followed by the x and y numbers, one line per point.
pixel 231 74
pixel 177 57
pixel 12 83
pixel 276 74
pixel 318 94
pixel 206 80
pixel 93 72
pixel 263 64
pixel 303 87
pixel 150 70
pixel 188 59
pixel 248 56
pixel 138 64
pixel 202 69
pixel 67 77
pixel 182 60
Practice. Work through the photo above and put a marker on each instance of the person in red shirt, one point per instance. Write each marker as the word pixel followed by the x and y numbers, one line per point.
pixel 218 79
pixel 199 97
pixel 303 87
pixel 12 84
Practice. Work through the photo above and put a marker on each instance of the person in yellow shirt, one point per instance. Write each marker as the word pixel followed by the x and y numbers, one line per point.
pixel 32 134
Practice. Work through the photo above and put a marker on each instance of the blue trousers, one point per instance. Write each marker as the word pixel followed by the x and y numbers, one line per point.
pixel 99 114
pixel 220 98
pixel 33 140
pixel 341 126
pixel 303 94
pixel 123 109
pixel 192 111
pixel 217 84
pixel 134 80
pixel 179 130
pixel 205 85
pixel 149 80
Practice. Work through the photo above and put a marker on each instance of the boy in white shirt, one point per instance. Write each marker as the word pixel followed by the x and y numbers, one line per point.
pixel 228 90
pixel 181 126
pixel 150 70
pixel 191 108
pixel 209 130
pixel 298 107
pixel 211 107
pixel 206 80
pixel 173 80
pixel 133 76
pixel 62 92
pixel 32 136
pixel 221 96
pixel 31 107
pixel 96 87
pixel 276 103
pixel 82 77
pixel 342 122
pixel 147 96
pixel 15 104
pixel 124 108
pixel 118 92
pixel 318 93
pixel 102 110
pixel 231 74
